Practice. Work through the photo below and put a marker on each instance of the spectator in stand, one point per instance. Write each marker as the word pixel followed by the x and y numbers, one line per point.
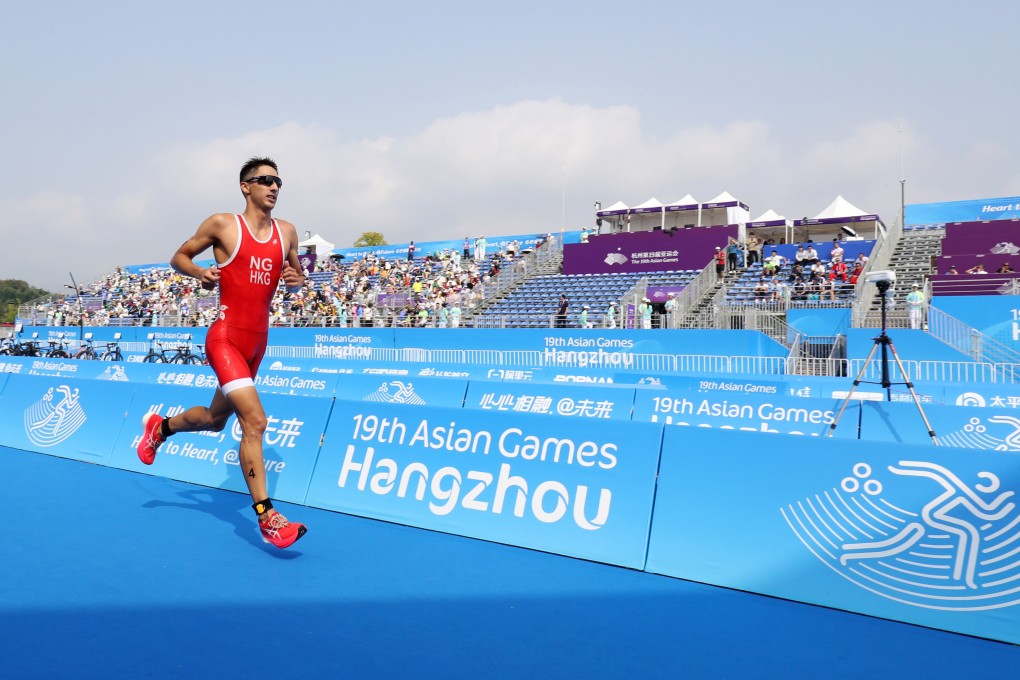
pixel 977 269
pixel 753 244
pixel 800 257
pixel 611 315
pixel 1004 269
pixel 720 263
pixel 467 248
pixel 952 271
pixel 410 251
pixel 915 306
pixel 561 311
pixel 810 254
pixel 645 312
pixel 836 254
pixel 838 271
pixel 584 235
pixel 732 250
pixel 582 320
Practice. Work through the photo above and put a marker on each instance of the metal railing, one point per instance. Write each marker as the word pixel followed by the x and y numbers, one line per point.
pixel 881 254
pixel 968 340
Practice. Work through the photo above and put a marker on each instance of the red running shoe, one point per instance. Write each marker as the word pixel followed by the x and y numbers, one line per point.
pixel 278 531
pixel 151 438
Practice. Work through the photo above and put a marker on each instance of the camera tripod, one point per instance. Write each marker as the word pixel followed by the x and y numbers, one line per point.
pixel 885 342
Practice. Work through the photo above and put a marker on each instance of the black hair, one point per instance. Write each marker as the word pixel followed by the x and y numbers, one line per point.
pixel 255 162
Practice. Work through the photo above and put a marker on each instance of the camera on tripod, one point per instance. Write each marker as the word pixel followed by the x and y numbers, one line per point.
pixel 883 279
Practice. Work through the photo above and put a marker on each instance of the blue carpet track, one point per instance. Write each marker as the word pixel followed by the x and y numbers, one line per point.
pixel 112 574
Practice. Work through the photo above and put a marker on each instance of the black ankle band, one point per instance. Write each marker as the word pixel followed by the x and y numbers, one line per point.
pixel 164 428
pixel 262 506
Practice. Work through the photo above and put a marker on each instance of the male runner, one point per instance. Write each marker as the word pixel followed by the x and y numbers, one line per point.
pixel 253 252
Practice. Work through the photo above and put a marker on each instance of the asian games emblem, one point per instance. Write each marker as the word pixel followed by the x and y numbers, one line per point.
pixel 55 417
pixel 918 534
pixel 396 392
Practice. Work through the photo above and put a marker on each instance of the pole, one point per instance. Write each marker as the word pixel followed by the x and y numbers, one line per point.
pixel 81 313
pixel 903 185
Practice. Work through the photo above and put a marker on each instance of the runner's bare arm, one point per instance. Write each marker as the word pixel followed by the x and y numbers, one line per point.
pixel 293 273
pixel 209 234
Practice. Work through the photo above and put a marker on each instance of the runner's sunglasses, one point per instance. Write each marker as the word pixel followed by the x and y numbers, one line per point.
pixel 266 180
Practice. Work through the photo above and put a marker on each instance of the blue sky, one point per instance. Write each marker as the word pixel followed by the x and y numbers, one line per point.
pixel 126 123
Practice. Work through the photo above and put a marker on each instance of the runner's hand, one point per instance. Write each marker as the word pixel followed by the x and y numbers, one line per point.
pixel 292 278
pixel 210 277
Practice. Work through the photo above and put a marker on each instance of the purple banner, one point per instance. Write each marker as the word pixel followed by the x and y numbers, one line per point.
pixel 1000 237
pixel 646 251
pixel 307 262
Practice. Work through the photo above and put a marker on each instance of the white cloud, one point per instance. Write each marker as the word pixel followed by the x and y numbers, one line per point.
pixel 503 170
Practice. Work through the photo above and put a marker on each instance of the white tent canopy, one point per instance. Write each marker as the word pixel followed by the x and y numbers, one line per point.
pixel 317 245
pixel 769 216
pixel 840 207
pixel 840 217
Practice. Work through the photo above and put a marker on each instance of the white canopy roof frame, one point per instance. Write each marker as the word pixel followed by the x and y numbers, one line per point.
pixel 771 223
pixel 841 216
pixel 686 212
pixel 318 245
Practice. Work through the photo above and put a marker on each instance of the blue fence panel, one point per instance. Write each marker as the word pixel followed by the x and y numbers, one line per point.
pixel 955 426
pixel 65 417
pixel 566 486
pixel 914 534
pixel 290 444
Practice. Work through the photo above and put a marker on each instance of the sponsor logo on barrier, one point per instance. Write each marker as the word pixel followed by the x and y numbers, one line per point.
pixel 396 392
pixel 115 373
pixel 520 375
pixel 441 373
pixel 970 399
pixel 975 435
pixel 186 379
pixel 280 366
pixel 12 367
pixel 954 552
pixel 48 423
pixel 615 258
pixel 565 406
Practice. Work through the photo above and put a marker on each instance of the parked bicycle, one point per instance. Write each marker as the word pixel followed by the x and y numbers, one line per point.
pixel 57 348
pixel 181 354
pixel 112 352
pixel 86 350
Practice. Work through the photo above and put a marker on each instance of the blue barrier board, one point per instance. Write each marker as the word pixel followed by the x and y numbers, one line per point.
pixel 915 534
pixel 65 417
pixel 578 488
pixel 290 444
